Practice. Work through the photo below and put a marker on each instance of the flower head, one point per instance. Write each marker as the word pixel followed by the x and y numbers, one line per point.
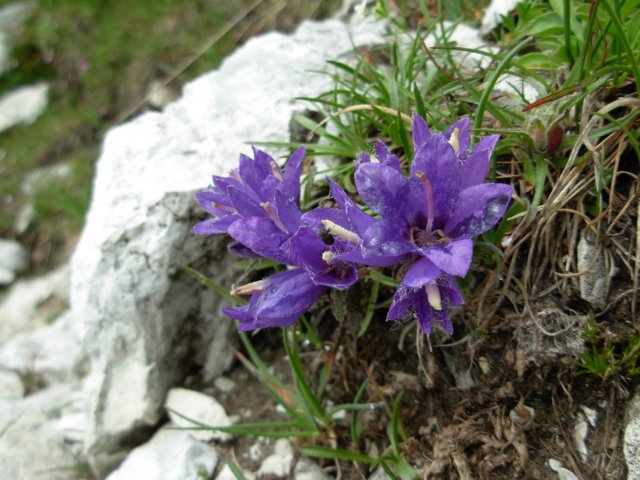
pixel 427 220
pixel 257 205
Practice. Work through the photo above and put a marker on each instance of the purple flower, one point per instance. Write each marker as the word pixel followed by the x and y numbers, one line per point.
pixel 427 220
pixel 276 301
pixel 257 196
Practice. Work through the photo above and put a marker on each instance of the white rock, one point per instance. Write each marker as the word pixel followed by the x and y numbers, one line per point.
pixel 495 12
pixel 54 353
pixel 11 386
pixel 23 105
pixel 29 304
pixel 597 267
pixel 463 36
pixel 169 455
pixel 224 384
pixel 631 446
pixel 42 177
pixel 12 17
pixel 200 408
pixel 278 463
pixel 31 445
pixel 13 260
pixel 586 417
pixel 563 473
pixel 153 324
pixel 24 217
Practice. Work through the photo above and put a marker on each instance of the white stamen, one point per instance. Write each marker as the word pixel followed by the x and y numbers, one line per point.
pixel 249 288
pixel 453 141
pixel 374 159
pixel 433 295
pixel 327 256
pixel 341 232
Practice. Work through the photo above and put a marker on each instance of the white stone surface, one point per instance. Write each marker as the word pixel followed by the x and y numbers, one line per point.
pixel 29 304
pixel 563 473
pixel 11 386
pixel 495 12
pixel 143 322
pixel 224 384
pixel 200 408
pixel 587 417
pixel 631 446
pixel 23 105
pixel 463 36
pixel 31 444
pixel 13 260
pixel 42 177
pixel 278 463
pixel 597 268
pixel 54 353
pixel 169 455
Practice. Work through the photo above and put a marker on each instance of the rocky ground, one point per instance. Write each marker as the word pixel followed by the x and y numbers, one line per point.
pixel 98 355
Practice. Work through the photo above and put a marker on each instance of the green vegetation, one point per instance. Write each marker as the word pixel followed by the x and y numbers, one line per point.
pixel 101 58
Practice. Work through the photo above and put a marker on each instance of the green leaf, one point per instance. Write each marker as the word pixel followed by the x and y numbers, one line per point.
pixel 326 452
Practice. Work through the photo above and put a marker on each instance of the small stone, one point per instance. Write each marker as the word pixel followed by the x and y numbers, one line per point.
pixel 597 268
pixel 37 179
pixel 169 455
pixel 200 408
pixel 277 464
pixel 23 105
pixel 13 260
pixel 563 473
pixel 495 13
pixel 586 417
pixel 224 384
pixel 29 304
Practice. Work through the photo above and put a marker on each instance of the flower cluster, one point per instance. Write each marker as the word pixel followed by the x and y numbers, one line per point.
pixel 422 224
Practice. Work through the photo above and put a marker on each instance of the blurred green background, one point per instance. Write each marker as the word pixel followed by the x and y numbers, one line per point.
pixel 102 58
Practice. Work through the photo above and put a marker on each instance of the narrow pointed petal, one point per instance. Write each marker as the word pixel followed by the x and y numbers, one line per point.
pixel 260 235
pixel 382 188
pixel 287 211
pixel 385 157
pixel 360 220
pixel 478 209
pixel 420 131
pixel 476 166
pixel 403 301
pixel 420 273
pixel 243 204
pixel 212 226
pixel 292 173
pixel 452 257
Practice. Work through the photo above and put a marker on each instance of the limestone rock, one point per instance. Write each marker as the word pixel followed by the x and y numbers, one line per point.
pixel 31 444
pixel 144 321
pixel 631 446
pixel 53 354
pixel 200 408
pixel 23 105
pixel 12 17
pixel 29 304
pixel 169 455
pixel 495 12
pixel 13 260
